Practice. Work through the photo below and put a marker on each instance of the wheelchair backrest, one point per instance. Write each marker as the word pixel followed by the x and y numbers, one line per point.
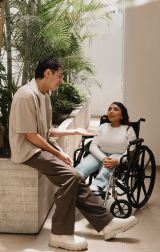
pixel 135 125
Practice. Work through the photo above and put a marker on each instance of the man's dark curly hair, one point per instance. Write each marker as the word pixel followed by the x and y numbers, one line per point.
pixel 45 63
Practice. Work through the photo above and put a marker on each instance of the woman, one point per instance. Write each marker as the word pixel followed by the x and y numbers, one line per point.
pixel 107 148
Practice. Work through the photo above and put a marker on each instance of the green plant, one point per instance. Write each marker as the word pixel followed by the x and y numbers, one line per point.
pixel 5 101
pixel 71 93
pixel 58 27
pixel 66 100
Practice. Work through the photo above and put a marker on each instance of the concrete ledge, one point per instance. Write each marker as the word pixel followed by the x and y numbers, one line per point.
pixel 26 195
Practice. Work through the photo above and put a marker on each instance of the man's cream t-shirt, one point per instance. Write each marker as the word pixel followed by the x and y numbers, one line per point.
pixel 43 111
pixel 25 117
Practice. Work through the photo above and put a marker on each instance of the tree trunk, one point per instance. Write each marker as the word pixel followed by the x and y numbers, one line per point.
pixel 1 25
pixel 1 36
pixel 9 54
pixel 36 42
pixel 28 48
pixel 38 6
pixel 1 138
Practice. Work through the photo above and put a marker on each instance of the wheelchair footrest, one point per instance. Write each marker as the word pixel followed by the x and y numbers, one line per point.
pixel 100 193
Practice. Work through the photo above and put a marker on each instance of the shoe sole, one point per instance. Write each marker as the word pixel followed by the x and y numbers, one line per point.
pixel 120 230
pixel 67 246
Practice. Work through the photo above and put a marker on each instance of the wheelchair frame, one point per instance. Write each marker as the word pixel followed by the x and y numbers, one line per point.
pixel 132 174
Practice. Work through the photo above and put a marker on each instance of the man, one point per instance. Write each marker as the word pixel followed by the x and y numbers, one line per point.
pixel 31 143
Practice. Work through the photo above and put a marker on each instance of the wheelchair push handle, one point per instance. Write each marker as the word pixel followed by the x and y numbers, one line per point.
pixel 142 119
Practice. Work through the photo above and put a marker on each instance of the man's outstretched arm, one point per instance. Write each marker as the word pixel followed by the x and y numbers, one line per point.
pixel 40 142
pixel 55 132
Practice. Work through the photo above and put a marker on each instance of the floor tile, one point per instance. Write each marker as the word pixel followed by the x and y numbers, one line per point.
pixel 142 236
pixel 140 250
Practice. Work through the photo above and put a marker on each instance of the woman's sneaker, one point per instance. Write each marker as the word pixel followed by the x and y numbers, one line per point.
pixel 95 188
pixel 118 225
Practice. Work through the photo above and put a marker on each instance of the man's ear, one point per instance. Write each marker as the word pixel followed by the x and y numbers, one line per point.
pixel 47 73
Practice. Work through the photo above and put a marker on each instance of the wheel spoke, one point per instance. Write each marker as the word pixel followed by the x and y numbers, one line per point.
pixel 142 160
pixel 123 206
pixel 144 189
pixel 117 212
pixel 138 192
pixel 134 187
pixel 145 168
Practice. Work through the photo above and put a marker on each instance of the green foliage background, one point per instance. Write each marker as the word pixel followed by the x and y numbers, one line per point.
pixel 36 28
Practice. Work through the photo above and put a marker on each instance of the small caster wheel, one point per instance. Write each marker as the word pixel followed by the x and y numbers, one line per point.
pixel 121 209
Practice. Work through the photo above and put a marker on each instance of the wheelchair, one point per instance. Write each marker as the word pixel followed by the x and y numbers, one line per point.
pixel 135 178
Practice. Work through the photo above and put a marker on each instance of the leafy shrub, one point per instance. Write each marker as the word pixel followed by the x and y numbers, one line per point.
pixel 5 100
pixel 71 93
pixel 66 100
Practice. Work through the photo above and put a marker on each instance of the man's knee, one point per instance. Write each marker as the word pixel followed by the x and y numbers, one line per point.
pixel 75 174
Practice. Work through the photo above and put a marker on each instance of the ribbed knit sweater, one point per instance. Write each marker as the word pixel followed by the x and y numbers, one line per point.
pixel 112 140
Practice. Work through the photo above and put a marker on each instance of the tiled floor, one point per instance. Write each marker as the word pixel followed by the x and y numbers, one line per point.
pixel 145 237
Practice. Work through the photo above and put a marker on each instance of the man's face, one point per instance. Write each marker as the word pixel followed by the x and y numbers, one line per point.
pixel 54 79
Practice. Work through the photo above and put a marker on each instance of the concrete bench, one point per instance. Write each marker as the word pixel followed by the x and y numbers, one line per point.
pixel 26 196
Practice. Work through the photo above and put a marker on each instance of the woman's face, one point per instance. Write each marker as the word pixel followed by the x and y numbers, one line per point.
pixel 114 113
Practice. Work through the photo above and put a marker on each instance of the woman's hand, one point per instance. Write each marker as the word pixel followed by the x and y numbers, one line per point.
pixel 110 163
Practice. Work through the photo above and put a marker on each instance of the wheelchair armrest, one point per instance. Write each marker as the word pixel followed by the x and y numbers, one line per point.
pixel 85 137
pixel 136 141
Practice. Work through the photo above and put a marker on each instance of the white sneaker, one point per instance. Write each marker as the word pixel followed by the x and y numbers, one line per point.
pixel 94 188
pixel 118 225
pixel 69 242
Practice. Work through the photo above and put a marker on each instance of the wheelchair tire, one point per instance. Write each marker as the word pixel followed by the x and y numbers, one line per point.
pixel 141 175
pixel 121 209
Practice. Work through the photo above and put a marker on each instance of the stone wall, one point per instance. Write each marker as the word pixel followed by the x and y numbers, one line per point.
pixel 26 196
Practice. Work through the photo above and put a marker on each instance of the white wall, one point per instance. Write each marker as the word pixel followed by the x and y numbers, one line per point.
pixel 142 71
pixel 107 58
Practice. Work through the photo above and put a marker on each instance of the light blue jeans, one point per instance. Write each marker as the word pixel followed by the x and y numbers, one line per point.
pixel 91 164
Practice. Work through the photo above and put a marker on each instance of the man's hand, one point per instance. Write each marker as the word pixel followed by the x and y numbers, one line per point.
pixel 65 158
pixel 55 132
pixel 110 163
pixel 84 132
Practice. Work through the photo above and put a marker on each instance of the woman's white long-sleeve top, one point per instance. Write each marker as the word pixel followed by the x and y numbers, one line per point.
pixel 112 140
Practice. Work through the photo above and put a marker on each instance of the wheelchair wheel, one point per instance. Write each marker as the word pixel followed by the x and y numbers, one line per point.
pixel 140 176
pixel 121 209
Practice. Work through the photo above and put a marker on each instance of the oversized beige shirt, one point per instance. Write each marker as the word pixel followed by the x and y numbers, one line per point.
pixel 25 117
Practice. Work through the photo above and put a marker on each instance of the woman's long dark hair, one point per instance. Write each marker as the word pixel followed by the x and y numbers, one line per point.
pixel 125 116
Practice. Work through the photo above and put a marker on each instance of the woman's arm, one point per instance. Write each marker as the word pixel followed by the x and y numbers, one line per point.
pixel 94 147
